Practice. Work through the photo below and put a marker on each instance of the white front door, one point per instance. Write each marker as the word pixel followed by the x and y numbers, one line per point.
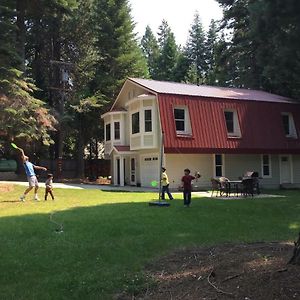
pixel 285 169
pixel 149 169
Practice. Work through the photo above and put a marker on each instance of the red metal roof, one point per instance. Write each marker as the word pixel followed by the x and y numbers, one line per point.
pixel 260 123
pixel 175 88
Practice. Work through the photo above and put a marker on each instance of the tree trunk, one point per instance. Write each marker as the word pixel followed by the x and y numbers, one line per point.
pixel 80 154
pixel 295 259
pixel 21 31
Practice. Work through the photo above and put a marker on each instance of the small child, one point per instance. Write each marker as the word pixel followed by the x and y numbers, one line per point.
pixel 49 188
pixel 187 187
pixel 165 185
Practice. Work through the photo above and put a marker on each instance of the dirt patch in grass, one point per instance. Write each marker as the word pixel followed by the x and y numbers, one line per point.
pixel 256 271
pixel 5 188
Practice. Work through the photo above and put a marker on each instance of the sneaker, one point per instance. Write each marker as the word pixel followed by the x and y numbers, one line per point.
pixel 22 198
pixel 36 198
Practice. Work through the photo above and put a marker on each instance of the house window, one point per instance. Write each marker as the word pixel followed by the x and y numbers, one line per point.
pixel 135 123
pixel 266 165
pixel 288 125
pixel 148 120
pixel 179 114
pixel 107 132
pixel 218 165
pixel 232 123
pixel 117 130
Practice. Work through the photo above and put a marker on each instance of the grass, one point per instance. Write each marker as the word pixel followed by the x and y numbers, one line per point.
pixel 110 236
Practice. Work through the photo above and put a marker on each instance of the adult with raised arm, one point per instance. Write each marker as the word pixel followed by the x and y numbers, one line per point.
pixel 31 176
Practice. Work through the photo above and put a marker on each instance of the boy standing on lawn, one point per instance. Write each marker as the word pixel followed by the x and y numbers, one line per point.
pixel 165 185
pixel 49 188
pixel 187 187
pixel 31 176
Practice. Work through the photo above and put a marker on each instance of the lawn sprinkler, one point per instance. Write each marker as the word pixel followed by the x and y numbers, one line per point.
pixel 60 228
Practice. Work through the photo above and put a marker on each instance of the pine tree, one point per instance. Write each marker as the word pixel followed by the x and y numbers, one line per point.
pixel 196 49
pixel 168 56
pixel 210 51
pixel 150 49
pixel 117 46
pixel 22 115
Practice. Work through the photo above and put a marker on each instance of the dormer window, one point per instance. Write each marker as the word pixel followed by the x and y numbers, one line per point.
pixel 288 125
pixel 182 121
pixel 232 123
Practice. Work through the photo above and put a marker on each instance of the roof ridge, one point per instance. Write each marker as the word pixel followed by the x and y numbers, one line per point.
pixel 161 86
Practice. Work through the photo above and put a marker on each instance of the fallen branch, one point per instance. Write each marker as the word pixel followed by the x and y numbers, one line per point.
pixel 215 287
pixel 231 277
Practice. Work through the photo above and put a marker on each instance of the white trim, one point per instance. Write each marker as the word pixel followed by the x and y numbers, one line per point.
pixel 139 98
pixel 129 80
pixel 109 113
pixel 262 166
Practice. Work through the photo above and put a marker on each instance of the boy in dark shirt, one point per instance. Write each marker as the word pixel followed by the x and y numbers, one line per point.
pixel 187 187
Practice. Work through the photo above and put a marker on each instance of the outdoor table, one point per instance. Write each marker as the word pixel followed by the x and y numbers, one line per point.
pixel 235 184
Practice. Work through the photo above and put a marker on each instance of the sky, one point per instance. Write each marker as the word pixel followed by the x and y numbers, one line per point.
pixel 178 13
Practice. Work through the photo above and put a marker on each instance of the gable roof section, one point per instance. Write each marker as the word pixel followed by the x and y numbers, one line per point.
pixel 260 123
pixel 174 88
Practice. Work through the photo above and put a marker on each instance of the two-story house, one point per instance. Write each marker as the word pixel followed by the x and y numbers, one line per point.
pixel 212 130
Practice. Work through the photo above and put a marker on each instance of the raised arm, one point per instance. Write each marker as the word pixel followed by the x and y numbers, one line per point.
pixel 23 156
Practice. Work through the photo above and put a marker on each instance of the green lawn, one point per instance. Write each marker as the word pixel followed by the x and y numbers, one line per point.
pixel 109 237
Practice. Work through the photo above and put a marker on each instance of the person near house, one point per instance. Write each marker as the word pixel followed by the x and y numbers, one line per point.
pixel 165 185
pixel 187 187
pixel 31 176
pixel 49 186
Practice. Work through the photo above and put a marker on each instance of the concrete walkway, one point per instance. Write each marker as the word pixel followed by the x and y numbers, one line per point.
pixel 80 186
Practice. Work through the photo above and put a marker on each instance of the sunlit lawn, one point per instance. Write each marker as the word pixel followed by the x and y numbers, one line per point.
pixel 110 236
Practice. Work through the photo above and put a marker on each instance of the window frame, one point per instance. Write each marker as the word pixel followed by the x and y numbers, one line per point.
pixel 119 131
pixel 236 124
pixel 222 165
pixel 108 136
pixel 139 121
pixel 147 121
pixel 186 121
pixel 269 164
pixel 292 128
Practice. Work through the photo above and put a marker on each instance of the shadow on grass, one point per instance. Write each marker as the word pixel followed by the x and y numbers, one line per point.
pixel 102 247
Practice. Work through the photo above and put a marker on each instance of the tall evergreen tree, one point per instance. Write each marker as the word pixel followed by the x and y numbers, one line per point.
pixel 168 56
pixel 265 35
pixel 150 49
pixel 117 46
pixel 210 51
pixel 196 49
pixel 22 115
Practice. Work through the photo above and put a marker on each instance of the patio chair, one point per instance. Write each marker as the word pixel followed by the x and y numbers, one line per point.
pixel 215 186
pixel 219 185
pixel 247 187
